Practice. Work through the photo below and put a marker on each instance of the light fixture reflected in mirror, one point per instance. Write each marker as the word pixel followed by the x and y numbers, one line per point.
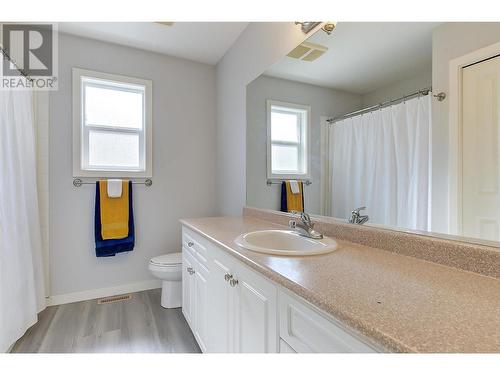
pixel 306 27
pixel 328 27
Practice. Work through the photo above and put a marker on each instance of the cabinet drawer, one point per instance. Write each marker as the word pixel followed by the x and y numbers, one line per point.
pixel 196 244
pixel 306 331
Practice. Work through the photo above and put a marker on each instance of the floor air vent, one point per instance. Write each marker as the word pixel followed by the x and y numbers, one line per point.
pixel 113 299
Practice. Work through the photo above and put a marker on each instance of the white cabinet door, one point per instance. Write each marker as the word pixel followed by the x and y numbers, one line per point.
pixel 219 308
pixel 255 313
pixel 307 331
pixel 201 303
pixel 188 287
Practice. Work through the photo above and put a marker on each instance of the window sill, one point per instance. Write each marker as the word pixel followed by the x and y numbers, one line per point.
pixel 300 177
pixel 107 174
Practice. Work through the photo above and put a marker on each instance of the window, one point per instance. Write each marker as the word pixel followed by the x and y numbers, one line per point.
pixel 287 140
pixel 112 125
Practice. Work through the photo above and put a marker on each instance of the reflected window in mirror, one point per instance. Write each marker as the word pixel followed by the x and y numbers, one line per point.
pixel 287 140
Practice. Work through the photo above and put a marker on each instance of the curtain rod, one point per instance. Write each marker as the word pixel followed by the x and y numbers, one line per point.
pixel 388 103
pixel 7 57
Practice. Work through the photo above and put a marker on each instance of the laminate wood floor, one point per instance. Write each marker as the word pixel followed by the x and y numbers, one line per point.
pixel 138 325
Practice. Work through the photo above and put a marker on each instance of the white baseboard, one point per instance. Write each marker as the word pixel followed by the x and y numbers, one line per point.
pixel 86 295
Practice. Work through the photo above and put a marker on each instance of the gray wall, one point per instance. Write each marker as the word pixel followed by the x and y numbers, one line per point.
pixel 450 40
pixel 259 46
pixel 420 80
pixel 323 102
pixel 183 165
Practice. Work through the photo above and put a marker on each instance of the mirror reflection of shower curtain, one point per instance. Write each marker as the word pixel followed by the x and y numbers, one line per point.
pixel 381 160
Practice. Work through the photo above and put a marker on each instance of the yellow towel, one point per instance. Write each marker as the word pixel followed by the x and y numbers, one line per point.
pixel 294 202
pixel 114 212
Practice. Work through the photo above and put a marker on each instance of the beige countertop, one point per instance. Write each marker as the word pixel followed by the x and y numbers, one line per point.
pixel 402 303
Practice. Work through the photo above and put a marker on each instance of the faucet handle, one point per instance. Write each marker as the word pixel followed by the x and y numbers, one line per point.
pixel 355 215
pixel 357 210
pixel 306 219
pixel 303 216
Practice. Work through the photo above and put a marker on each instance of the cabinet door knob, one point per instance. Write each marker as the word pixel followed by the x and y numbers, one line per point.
pixel 190 244
pixel 190 270
pixel 228 276
pixel 233 282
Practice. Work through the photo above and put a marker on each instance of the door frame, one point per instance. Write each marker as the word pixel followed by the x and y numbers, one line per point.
pixel 455 131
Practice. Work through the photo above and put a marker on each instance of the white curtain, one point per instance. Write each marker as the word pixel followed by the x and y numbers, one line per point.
pixel 22 293
pixel 381 160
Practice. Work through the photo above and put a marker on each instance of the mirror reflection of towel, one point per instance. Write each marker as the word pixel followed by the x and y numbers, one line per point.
pixel 294 187
pixel 290 201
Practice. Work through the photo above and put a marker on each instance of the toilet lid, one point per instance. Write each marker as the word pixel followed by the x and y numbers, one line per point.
pixel 168 259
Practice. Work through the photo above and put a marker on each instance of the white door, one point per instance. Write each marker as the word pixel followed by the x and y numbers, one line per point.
pixel 481 150
pixel 255 314
pixel 201 303
pixel 220 306
pixel 188 287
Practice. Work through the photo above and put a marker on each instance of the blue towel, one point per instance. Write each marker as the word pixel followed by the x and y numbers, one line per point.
pixel 108 248
pixel 284 207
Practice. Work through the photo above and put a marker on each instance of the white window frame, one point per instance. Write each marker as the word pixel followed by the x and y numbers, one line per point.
pixel 304 141
pixel 80 134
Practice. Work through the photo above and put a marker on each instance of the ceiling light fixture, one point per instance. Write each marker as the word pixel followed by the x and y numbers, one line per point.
pixel 328 27
pixel 306 27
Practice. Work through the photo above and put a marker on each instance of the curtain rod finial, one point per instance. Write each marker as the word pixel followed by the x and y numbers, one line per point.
pixel 440 96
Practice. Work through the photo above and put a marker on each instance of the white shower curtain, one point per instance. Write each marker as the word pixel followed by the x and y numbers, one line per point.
pixel 381 160
pixel 22 293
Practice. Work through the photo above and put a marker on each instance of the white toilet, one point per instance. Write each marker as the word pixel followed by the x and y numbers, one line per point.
pixel 168 268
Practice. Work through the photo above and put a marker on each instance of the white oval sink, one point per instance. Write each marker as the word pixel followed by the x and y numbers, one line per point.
pixel 284 242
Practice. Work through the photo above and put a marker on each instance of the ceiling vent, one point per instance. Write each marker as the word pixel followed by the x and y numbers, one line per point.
pixel 307 51
pixel 165 23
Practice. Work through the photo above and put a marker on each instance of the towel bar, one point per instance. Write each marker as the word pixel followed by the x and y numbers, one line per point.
pixel 77 182
pixel 273 182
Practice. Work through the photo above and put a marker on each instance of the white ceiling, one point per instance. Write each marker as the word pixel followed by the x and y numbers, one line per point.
pixel 205 42
pixel 364 56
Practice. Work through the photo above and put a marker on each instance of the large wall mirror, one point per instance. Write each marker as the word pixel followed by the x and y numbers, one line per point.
pixel 348 125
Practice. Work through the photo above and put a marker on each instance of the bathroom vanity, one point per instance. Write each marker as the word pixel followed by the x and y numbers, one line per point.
pixel 234 309
pixel 355 299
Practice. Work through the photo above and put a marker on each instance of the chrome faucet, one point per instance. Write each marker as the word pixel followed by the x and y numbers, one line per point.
pixel 305 226
pixel 357 218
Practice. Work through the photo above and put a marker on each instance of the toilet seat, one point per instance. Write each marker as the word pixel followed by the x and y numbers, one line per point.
pixel 167 260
